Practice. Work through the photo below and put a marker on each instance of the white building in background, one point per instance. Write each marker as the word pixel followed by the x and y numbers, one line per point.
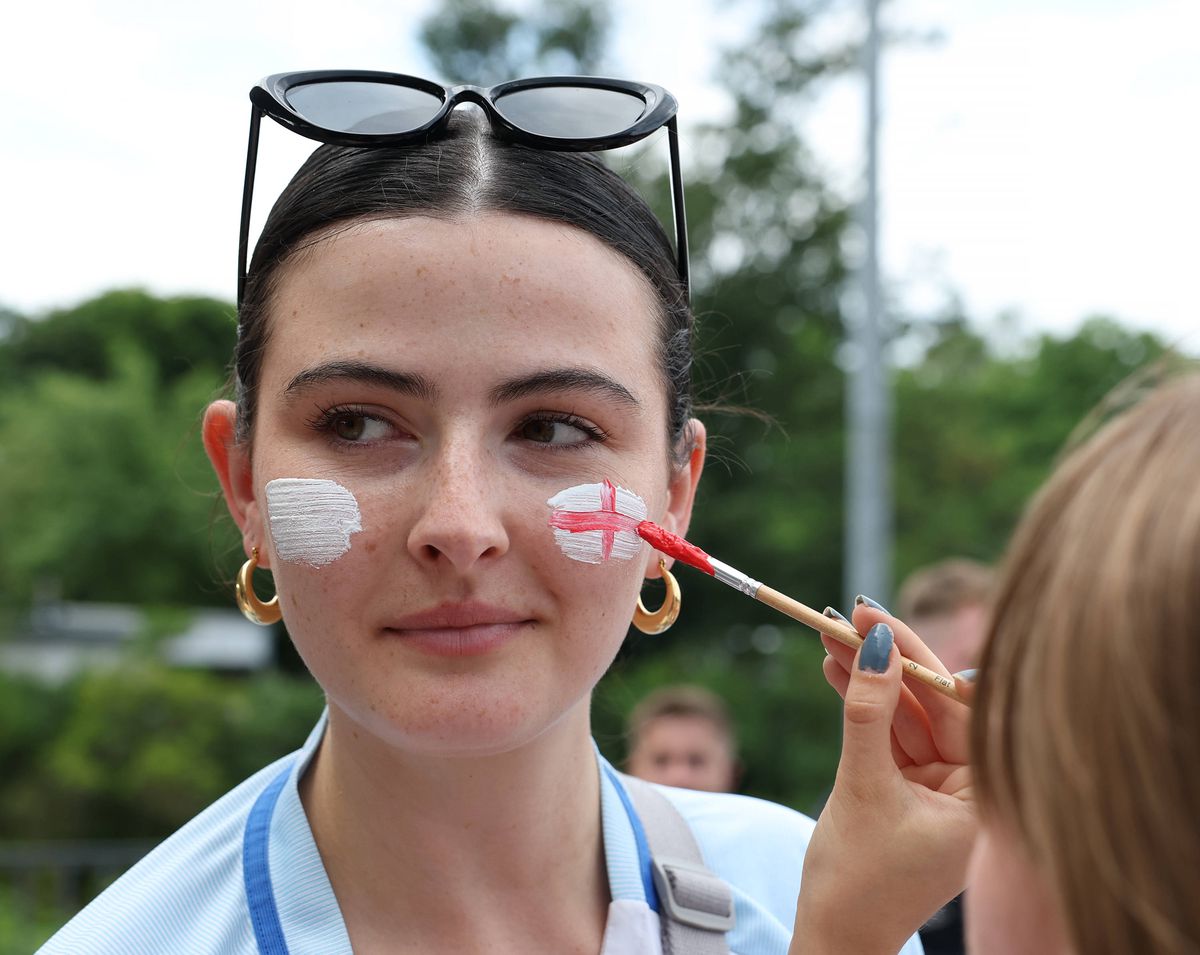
pixel 57 640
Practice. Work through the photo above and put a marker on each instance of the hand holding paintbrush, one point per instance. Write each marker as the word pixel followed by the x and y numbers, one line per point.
pixel 594 522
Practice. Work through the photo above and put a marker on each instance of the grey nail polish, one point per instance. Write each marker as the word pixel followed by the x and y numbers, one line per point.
pixel 876 649
pixel 967 675
pixel 834 615
pixel 875 605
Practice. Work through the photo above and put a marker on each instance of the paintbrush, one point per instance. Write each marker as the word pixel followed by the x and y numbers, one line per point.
pixel 595 522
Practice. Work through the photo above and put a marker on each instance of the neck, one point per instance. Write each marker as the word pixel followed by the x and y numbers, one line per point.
pixel 456 851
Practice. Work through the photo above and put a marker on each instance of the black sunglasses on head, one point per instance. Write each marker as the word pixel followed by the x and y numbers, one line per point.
pixel 371 108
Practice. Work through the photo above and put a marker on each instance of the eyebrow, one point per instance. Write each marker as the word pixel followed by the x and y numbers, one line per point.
pixel 556 379
pixel 564 379
pixel 364 372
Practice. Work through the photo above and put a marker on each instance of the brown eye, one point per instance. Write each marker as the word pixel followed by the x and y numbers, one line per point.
pixel 542 431
pixel 349 427
pixel 560 432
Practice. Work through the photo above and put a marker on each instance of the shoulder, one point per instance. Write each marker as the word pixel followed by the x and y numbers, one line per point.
pixel 756 846
pixel 186 895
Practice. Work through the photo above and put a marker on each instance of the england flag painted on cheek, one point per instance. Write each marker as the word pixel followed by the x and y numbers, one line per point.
pixel 597 522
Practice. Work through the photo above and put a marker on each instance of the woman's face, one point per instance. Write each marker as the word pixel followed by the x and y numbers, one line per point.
pixel 1010 907
pixel 452 376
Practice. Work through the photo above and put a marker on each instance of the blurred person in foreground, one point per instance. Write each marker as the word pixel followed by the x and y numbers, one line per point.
pixel 1086 755
pixel 948 603
pixel 682 736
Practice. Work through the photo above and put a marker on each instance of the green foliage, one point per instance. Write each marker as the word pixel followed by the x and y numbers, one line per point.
pixel 977 433
pixel 474 41
pixel 26 925
pixel 136 752
pixel 108 495
pixel 181 335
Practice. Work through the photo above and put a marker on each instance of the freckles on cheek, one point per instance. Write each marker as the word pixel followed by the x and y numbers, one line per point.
pixel 311 520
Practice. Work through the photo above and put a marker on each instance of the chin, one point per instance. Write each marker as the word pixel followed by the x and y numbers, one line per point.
pixel 458 721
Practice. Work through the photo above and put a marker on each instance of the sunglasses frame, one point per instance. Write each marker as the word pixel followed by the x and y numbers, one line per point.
pixel 269 98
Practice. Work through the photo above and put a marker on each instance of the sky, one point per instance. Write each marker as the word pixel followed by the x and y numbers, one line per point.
pixel 1038 159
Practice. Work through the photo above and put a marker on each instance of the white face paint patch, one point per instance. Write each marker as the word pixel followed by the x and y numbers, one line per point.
pixel 593 522
pixel 311 520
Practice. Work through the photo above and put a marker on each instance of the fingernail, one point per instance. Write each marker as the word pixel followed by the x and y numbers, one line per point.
pixel 967 675
pixel 874 605
pixel 876 650
pixel 834 615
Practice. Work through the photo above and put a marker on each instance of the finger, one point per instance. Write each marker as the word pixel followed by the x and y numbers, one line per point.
pixel 839 651
pixel 910 724
pixel 899 756
pixel 911 645
pixel 836 675
pixel 839 679
pixel 912 728
pixel 947 778
pixel 964 682
pixel 948 719
pixel 872 694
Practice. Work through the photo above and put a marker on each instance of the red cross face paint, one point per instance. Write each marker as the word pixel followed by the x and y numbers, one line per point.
pixel 597 522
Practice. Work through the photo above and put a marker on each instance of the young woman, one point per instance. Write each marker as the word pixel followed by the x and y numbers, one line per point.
pixel 438 333
pixel 1085 730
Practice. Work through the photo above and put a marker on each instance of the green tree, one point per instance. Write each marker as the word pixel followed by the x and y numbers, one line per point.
pixel 977 432
pixel 107 492
pixel 181 335
pixel 136 752
pixel 475 41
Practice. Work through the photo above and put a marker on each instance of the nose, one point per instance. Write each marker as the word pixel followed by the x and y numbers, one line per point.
pixel 460 522
pixel 679 774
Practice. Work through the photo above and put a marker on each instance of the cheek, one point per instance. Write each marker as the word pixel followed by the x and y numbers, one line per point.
pixel 311 521
pixel 323 536
pixel 1009 907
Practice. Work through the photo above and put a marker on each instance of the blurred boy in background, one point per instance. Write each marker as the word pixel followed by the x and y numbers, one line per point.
pixel 947 603
pixel 682 736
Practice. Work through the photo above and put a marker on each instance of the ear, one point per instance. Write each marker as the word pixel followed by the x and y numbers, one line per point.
pixel 681 492
pixel 231 460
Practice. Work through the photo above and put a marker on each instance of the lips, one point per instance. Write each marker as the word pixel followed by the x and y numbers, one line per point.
pixel 459 629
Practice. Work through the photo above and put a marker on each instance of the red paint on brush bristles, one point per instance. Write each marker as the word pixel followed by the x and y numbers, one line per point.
pixel 674 546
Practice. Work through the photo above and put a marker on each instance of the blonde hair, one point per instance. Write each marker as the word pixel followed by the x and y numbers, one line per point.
pixel 1086 730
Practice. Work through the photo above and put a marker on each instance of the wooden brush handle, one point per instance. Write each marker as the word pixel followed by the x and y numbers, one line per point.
pixel 847 635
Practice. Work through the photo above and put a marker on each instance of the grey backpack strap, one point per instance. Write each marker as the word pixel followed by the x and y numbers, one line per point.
pixel 696 907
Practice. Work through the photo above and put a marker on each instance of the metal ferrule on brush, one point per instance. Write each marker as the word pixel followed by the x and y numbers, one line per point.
pixel 735 578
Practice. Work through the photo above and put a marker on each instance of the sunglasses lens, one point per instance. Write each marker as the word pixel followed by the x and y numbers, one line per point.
pixel 363 107
pixel 571 112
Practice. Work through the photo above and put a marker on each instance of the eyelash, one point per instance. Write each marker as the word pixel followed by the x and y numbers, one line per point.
pixel 595 434
pixel 323 419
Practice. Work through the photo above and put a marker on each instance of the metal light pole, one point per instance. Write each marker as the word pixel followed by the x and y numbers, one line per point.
pixel 868 392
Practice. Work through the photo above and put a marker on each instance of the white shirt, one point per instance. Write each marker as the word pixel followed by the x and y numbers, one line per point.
pixel 190 893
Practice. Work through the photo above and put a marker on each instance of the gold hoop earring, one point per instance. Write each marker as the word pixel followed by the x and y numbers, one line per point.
pixel 660 621
pixel 256 611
